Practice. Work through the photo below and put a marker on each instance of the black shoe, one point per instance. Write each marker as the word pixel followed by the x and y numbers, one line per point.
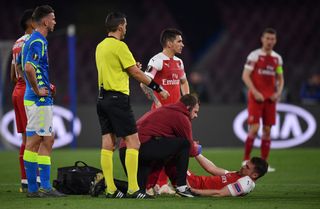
pixel 34 194
pixel 139 195
pixel 23 188
pixel 186 193
pixel 97 186
pixel 116 194
pixel 51 193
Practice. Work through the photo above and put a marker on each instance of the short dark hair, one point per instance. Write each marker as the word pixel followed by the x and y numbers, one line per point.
pixel 269 30
pixel 113 20
pixel 190 100
pixel 260 166
pixel 41 12
pixel 169 34
pixel 26 16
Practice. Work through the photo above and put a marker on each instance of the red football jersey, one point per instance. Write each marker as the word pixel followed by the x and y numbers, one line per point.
pixel 212 182
pixel 167 72
pixel 263 67
pixel 15 53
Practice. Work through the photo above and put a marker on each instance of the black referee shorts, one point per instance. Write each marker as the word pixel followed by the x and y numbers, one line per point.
pixel 115 114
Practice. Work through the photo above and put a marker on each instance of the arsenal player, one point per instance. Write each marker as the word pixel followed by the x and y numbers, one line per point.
pixel 225 183
pixel 19 89
pixel 263 75
pixel 168 70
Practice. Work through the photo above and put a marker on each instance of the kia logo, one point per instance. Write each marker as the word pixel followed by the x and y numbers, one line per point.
pixel 294 126
pixel 61 118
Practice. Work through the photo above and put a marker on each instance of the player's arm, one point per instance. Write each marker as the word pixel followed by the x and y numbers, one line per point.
pixel 31 76
pixel 33 56
pixel 137 74
pixel 209 166
pixel 184 85
pixel 18 66
pixel 224 192
pixel 150 72
pixel 19 70
pixel 280 84
pixel 248 82
pixel 13 77
pixel 150 94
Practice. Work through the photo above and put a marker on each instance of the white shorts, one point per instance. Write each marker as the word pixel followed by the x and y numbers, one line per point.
pixel 39 120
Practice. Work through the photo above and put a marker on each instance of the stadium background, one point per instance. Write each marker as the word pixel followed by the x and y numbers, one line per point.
pixel 218 36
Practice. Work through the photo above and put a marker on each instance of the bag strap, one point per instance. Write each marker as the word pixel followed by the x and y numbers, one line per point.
pixel 78 162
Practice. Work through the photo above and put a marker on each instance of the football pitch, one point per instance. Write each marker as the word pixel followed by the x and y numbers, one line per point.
pixel 294 184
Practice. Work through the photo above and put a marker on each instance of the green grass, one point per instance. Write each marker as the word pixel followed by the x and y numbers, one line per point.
pixel 294 185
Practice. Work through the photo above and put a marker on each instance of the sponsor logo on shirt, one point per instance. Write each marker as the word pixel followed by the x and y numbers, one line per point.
pixel 167 82
pixel 174 81
pixel 237 187
pixel 269 70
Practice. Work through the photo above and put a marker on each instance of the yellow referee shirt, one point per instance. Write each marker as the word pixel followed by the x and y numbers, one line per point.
pixel 113 57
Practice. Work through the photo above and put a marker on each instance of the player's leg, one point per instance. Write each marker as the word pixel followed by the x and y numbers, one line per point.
pixel 104 106
pixel 252 133
pixel 124 125
pixel 265 142
pixel 131 161
pixel 24 182
pixel 33 141
pixel 175 150
pixel 179 165
pixel 269 119
pixel 44 161
pixel 108 141
pixel 162 186
pixel 21 123
pixel 254 114
pixel 30 158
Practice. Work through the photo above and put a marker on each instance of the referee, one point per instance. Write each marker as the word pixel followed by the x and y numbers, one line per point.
pixel 115 63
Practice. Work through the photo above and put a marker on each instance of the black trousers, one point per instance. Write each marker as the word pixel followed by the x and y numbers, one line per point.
pixel 172 153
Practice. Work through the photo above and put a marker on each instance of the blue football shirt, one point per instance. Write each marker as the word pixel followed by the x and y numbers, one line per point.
pixel 35 52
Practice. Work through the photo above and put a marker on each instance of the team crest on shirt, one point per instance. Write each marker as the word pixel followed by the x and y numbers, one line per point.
pixel 175 76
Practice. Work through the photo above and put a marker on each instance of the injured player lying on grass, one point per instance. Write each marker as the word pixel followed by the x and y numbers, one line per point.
pixel 220 183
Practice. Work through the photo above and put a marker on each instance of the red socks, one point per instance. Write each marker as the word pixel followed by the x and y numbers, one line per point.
pixel 248 147
pixel 265 148
pixel 163 178
pixel 22 170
